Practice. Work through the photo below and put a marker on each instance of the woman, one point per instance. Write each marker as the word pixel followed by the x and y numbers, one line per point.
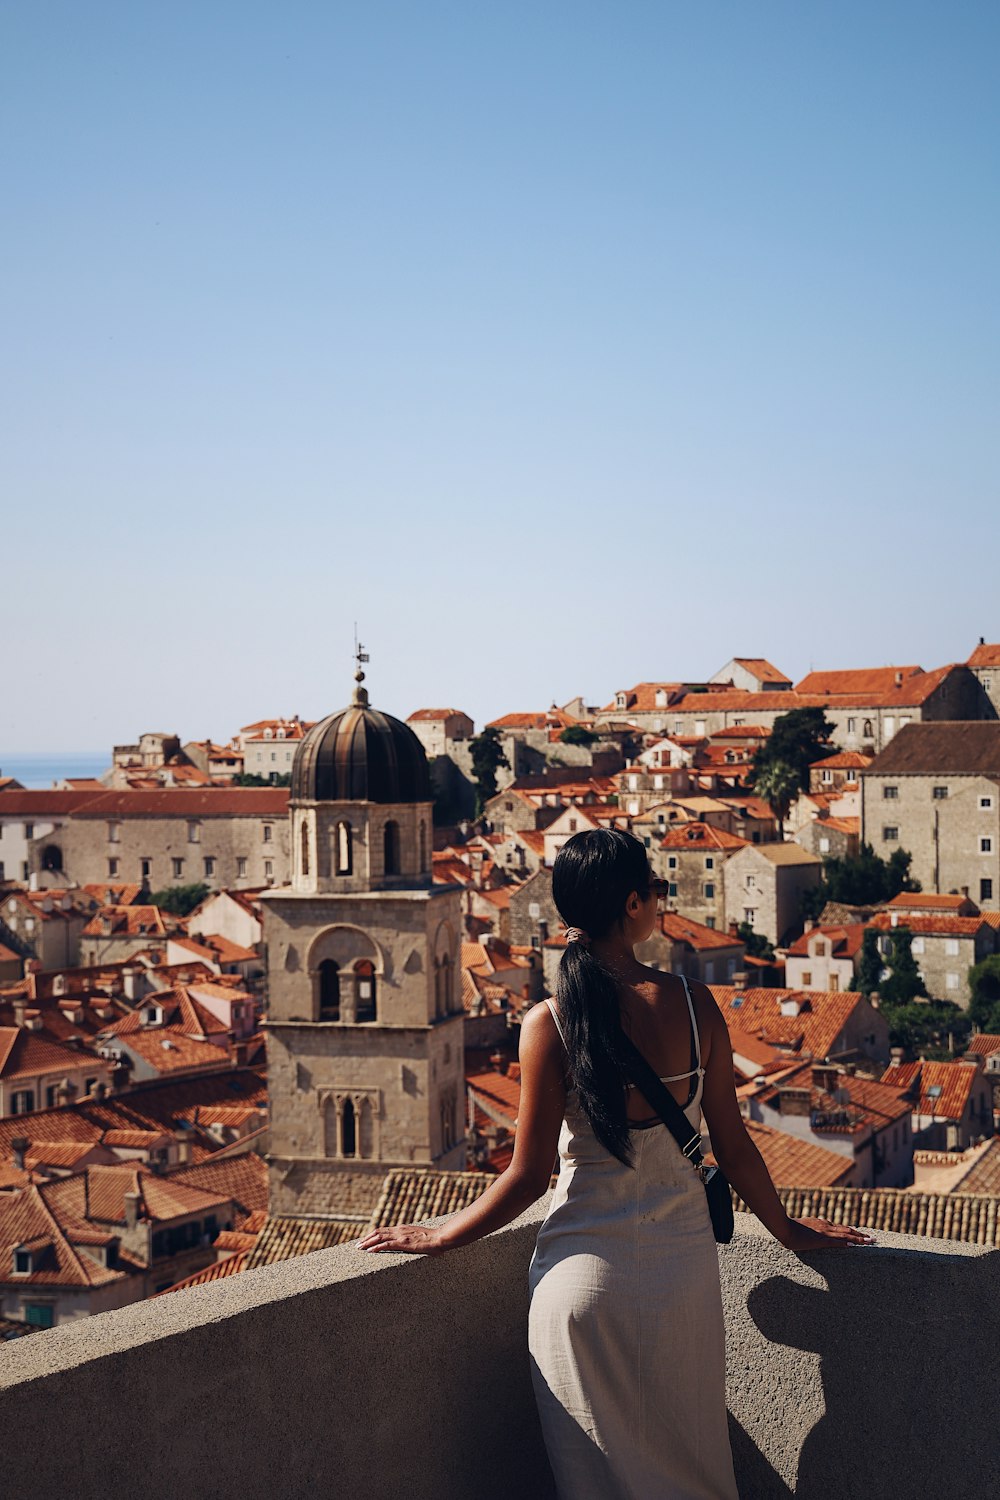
pixel 625 1328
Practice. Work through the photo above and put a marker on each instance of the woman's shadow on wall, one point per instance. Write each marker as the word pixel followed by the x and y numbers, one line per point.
pixel 907 1350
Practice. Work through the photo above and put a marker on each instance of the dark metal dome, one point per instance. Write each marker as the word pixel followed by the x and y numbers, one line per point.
pixel 361 755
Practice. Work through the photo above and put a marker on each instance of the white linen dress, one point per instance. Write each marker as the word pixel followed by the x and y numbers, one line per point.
pixel 625 1327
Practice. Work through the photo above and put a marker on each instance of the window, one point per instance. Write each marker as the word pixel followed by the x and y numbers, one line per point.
pixel 866 730
pixel 29 830
pixel 145 868
pixel 40 1314
pixel 986 846
pixel 329 991
pixel 266 833
pixel 751 882
pixel 709 891
pixel 951 981
pixel 343 849
pixel 749 913
pixel 986 804
pixel 917 946
pixel 890 793
pixel 113 869
pixel 114 833
pixel 709 862
pixel 209 865
pixel 671 861
pixel 986 890
pixel 939 793
pixel 820 950
pixel 51 1096
pixel 807 976
pixel 241 867
pixel 269 869
pixel 951 947
pixel 890 835
pixel 194 832
pixel 824 845
pixel 274 755
pixel 23 1102
pixel 573 821
pixel 826 775
pixel 178 866
pixel 852 726
pixel 672 888
pixel 390 848
pixel 22 1262
pixel 364 990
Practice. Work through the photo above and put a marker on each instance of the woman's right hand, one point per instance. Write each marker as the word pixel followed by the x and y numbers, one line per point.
pixel 822 1234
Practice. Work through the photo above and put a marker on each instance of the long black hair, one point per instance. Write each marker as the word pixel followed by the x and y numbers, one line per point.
pixel 593 876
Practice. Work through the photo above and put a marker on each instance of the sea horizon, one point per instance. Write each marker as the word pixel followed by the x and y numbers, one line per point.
pixel 38 769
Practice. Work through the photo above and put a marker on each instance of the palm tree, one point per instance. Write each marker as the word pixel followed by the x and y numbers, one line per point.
pixel 778 783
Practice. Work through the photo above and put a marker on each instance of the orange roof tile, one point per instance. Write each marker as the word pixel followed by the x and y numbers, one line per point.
pixel 822 1015
pixel 681 929
pixel 700 835
pixel 985 656
pixel 943 1087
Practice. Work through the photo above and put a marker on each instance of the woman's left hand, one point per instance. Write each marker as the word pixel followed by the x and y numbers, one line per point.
pixel 404 1239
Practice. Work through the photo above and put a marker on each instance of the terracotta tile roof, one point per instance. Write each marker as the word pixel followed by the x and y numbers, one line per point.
pixel 20 802
pixel 939 1088
pixel 786 854
pixel 761 668
pixel 167 1050
pixel 129 921
pixel 410 1195
pixel 25 1054
pixel 949 748
pixel 876 680
pixel 215 948
pixel 241 1178
pixel 983 1044
pixel 231 1266
pixel 944 1216
pixel 179 802
pixel 842 825
pixel 497 1092
pixel 27 1217
pixel 499 897
pixel 984 1175
pixel 985 656
pixel 98 1193
pixel 741 732
pixel 845 942
pixel 114 893
pixel 941 925
pixel 181 1011
pixel 701 835
pixel 927 901
pixel 281 1238
pixel 793 1162
pixel 822 1015
pixel 844 760
pixel 696 935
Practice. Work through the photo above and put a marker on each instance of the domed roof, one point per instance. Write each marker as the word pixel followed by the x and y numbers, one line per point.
pixel 360 755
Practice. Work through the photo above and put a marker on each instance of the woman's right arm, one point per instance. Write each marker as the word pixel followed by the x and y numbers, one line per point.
pixel 539 1116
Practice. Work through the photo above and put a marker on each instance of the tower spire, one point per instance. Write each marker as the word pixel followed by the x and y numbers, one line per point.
pixel 359 698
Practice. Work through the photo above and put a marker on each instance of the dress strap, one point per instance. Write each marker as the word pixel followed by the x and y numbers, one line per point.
pixel 555 1016
pixel 694 1025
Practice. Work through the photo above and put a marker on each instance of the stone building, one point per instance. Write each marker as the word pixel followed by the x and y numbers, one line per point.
pixel 224 837
pixel 985 662
pixel 692 858
pixel 269 746
pixel 945 948
pixel 365 1029
pixel 765 884
pixel 935 791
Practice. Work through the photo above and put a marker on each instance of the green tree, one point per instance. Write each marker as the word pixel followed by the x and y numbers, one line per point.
pixel 924 1028
pixel 755 943
pixel 871 963
pixel 796 740
pixel 904 983
pixel 778 782
pixel 577 734
pixel 867 880
pixel 487 758
pixel 180 900
pixel 250 778
pixel 984 993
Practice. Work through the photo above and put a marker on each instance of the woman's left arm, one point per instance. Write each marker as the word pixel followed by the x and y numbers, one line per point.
pixel 539 1116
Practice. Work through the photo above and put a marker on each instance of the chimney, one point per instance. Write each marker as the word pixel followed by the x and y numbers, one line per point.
pixel 19 1003
pixel 497 1062
pixel 132 1200
pixel 824 1076
pixel 740 979
pixel 19 1146
pixel 896 1056
pixel 899 679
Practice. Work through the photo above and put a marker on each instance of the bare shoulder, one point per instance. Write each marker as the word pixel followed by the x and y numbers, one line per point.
pixel 706 1008
pixel 539 1030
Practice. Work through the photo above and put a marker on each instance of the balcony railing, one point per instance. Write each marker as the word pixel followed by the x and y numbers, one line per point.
pixel 864 1372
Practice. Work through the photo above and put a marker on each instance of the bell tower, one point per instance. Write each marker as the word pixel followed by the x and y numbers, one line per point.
pixel 365 1023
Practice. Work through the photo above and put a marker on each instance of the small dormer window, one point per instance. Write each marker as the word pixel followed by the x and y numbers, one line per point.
pixel 281 734
pixel 620 700
pixel 23 1261
pixel 268 734
pixel 661 698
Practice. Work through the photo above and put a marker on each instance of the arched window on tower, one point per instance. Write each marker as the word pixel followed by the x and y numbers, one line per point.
pixel 348 1130
pixel 329 991
pixel 304 860
pixel 390 848
pixel 52 858
pixel 364 992
pixel 446 985
pixel 866 730
pixel 344 859
pixel 366 1130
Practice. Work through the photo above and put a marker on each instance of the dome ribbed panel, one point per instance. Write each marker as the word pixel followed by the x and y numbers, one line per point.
pixel 360 755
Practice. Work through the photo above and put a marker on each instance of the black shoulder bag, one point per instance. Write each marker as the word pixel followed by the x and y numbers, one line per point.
pixel 720 1203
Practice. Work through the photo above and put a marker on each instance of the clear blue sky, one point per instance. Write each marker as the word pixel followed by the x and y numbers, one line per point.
pixel 560 345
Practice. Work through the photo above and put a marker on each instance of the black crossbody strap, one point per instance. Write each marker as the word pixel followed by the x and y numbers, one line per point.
pixel 662 1100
